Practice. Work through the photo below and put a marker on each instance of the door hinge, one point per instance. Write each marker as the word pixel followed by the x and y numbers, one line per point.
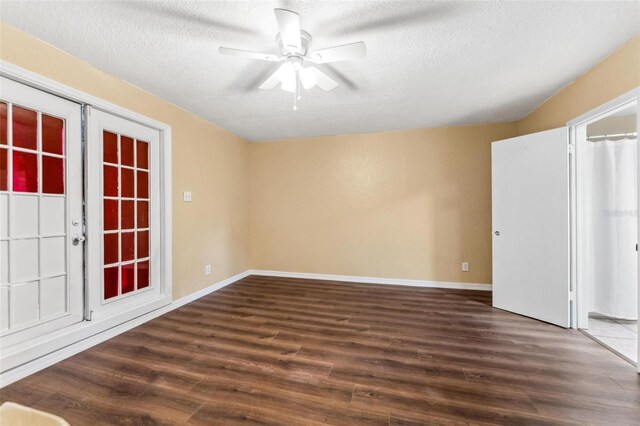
pixel 570 148
pixel 572 296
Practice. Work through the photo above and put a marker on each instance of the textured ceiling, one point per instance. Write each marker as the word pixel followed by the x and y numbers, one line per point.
pixel 429 64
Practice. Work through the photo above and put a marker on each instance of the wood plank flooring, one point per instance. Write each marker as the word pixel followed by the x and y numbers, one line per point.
pixel 304 352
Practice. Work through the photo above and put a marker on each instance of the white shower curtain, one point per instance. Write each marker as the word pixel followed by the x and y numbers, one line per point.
pixel 613 228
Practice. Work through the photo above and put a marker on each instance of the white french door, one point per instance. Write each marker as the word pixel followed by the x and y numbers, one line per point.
pixel 530 191
pixel 41 217
pixel 123 215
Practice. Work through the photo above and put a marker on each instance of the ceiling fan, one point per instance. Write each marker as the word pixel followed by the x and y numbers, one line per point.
pixel 294 45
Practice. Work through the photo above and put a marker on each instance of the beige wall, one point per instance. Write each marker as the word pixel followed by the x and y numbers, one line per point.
pixel 207 160
pixel 614 76
pixel 412 204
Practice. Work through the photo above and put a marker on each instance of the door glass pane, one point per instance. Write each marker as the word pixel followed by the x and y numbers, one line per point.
pixel 111 215
pixel 143 244
pixel 25 172
pixel 127 215
pixel 4 171
pixel 110 147
pixel 128 278
pixel 110 178
pixel 126 183
pixel 142 214
pixel 126 151
pixel 143 184
pixel 128 245
pixel 111 282
pixel 110 248
pixel 3 124
pixel 126 179
pixel 25 128
pixel 52 135
pixel 142 155
pixel 52 175
pixel 143 274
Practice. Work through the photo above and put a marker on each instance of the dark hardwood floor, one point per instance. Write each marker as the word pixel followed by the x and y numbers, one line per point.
pixel 304 352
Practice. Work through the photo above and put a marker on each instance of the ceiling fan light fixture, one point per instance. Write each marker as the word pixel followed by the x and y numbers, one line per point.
pixel 294 45
pixel 308 78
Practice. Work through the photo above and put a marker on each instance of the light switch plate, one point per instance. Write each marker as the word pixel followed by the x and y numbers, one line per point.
pixel 186 196
pixel 207 269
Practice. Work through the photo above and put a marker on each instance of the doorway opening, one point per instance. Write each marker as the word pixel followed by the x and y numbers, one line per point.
pixel 607 228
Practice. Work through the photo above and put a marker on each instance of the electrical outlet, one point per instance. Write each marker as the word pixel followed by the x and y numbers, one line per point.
pixel 186 196
pixel 207 269
pixel 465 266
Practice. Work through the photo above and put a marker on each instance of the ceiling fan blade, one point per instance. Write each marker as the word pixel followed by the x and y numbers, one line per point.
pixel 247 54
pixel 272 81
pixel 289 25
pixel 324 82
pixel 339 53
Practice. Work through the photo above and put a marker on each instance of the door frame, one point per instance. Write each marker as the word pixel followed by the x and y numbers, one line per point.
pixel 579 224
pixel 17 356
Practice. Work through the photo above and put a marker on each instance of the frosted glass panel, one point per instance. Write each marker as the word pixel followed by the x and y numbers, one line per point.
pixel 53 296
pixel 4 308
pixel 52 215
pixel 24 260
pixel 53 258
pixel 4 215
pixel 24 216
pixel 4 262
pixel 24 304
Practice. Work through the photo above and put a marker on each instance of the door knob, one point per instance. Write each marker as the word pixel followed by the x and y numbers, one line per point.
pixel 497 233
pixel 77 239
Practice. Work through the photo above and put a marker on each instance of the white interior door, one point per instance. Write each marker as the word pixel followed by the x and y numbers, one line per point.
pixel 123 218
pixel 530 190
pixel 41 277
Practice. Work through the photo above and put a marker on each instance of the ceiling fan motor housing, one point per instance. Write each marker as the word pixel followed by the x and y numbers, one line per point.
pixel 305 44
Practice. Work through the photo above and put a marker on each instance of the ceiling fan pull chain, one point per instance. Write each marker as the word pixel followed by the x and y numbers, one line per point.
pixel 296 92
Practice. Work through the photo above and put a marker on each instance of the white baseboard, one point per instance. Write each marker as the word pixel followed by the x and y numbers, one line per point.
pixel 373 280
pixel 21 371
